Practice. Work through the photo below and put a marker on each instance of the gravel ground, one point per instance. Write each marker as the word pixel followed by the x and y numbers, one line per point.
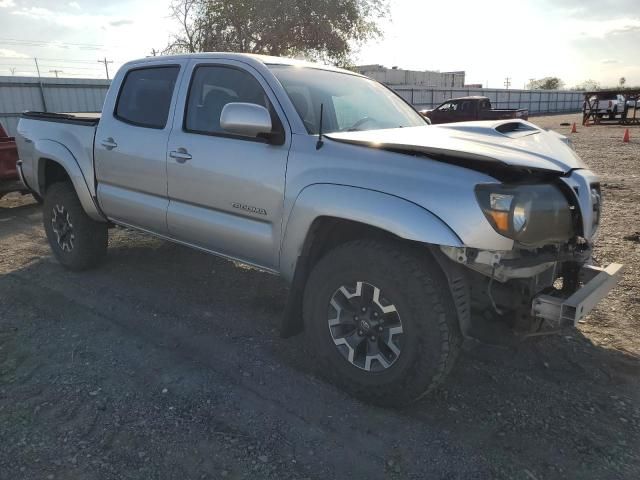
pixel 166 363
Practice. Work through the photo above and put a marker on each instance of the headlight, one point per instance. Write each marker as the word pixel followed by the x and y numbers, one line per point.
pixel 529 214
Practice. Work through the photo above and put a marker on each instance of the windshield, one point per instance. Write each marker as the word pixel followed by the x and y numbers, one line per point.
pixel 350 102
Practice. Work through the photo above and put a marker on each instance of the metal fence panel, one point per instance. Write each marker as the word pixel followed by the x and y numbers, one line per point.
pixel 537 101
pixel 19 94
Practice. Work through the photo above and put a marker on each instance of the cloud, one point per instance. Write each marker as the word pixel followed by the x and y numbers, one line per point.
pixel 75 5
pixel 609 60
pixel 6 52
pixel 7 3
pixel 34 12
pixel 627 29
pixel 121 22
pixel 69 19
pixel 587 9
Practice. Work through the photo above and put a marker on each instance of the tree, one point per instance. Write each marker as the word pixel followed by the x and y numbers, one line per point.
pixel 588 86
pixel 318 29
pixel 622 81
pixel 546 83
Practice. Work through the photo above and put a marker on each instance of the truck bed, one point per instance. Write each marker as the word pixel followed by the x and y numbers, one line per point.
pixel 84 118
pixel 75 131
pixel 504 114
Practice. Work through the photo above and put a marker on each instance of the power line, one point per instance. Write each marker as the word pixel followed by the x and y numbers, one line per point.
pixel 48 59
pixel 48 42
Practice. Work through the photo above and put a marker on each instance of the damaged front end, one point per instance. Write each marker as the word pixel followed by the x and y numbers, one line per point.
pixel 546 276
pixel 523 288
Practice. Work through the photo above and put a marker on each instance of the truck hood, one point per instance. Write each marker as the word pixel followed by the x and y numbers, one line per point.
pixel 494 147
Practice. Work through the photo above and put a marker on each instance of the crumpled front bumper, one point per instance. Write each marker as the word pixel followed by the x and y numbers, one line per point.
pixel 569 310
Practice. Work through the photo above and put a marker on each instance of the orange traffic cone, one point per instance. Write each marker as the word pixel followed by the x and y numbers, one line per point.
pixel 625 139
pixel 574 129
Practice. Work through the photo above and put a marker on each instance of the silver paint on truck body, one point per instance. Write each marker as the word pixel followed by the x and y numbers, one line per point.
pixel 190 197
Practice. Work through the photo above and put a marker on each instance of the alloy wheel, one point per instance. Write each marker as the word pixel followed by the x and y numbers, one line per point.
pixel 62 227
pixel 365 326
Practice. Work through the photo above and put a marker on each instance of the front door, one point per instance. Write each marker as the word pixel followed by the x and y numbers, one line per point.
pixel 226 191
pixel 131 147
pixel 445 113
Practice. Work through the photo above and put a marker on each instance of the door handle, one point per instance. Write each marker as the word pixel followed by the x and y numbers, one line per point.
pixel 181 155
pixel 109 143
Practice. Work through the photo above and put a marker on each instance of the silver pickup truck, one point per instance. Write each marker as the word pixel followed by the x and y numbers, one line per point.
pixel 399 239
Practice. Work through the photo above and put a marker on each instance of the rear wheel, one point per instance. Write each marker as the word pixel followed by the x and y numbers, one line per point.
pixel 612 115
pixel 379 321
pixel 77 241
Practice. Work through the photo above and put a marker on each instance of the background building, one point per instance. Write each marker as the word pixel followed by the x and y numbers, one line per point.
pixel 395 76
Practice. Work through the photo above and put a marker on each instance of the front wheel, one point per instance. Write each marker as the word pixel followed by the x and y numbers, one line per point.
pixel 77 241
pixel 380 321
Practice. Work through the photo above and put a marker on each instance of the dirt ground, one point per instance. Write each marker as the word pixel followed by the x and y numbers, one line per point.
pixel 167 363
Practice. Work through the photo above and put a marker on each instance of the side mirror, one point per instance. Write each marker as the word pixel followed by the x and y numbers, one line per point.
pixel 247 119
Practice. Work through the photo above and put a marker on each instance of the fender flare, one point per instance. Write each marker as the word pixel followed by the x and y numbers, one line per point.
pixel 50 150
pixel 393 214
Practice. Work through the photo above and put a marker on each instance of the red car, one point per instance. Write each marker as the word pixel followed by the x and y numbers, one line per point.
pixel 9 180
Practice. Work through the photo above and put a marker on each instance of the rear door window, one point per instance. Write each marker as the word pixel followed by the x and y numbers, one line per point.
pixel 145 96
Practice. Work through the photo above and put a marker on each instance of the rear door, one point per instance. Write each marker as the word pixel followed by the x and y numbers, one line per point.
pixel 226 192
pixel 131 146
pixel 466 111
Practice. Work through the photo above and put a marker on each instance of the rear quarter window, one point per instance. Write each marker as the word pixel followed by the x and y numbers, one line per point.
pixel 145 96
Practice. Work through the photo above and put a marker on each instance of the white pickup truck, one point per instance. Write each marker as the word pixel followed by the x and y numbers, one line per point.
pixel 610 105
pixel 398 238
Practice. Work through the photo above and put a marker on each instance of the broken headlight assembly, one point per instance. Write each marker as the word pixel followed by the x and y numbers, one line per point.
pixel 529 214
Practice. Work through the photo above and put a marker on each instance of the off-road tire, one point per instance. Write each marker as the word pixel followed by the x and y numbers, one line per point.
pixel 90 237
pixel 417 287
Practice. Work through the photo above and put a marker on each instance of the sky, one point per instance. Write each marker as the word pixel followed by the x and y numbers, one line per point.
pixel 575 40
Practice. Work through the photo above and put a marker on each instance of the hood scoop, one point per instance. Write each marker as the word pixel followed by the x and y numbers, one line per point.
pixel 516 129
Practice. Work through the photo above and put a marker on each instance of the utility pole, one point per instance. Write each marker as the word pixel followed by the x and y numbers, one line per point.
pixel 154 52
pixel 531 83
pixel 37 67
pixel 507 82
pixel 106 65
pixel 42 97
pixel 56 72
pixel 13 71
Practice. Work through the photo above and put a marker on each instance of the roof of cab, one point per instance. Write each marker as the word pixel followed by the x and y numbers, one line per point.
pixel 246 57
pixel 472 97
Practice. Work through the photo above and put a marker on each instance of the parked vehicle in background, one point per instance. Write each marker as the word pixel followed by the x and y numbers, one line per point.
pixel 467 109
pixel 609 104
pixel 9 181
pixel 390 232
